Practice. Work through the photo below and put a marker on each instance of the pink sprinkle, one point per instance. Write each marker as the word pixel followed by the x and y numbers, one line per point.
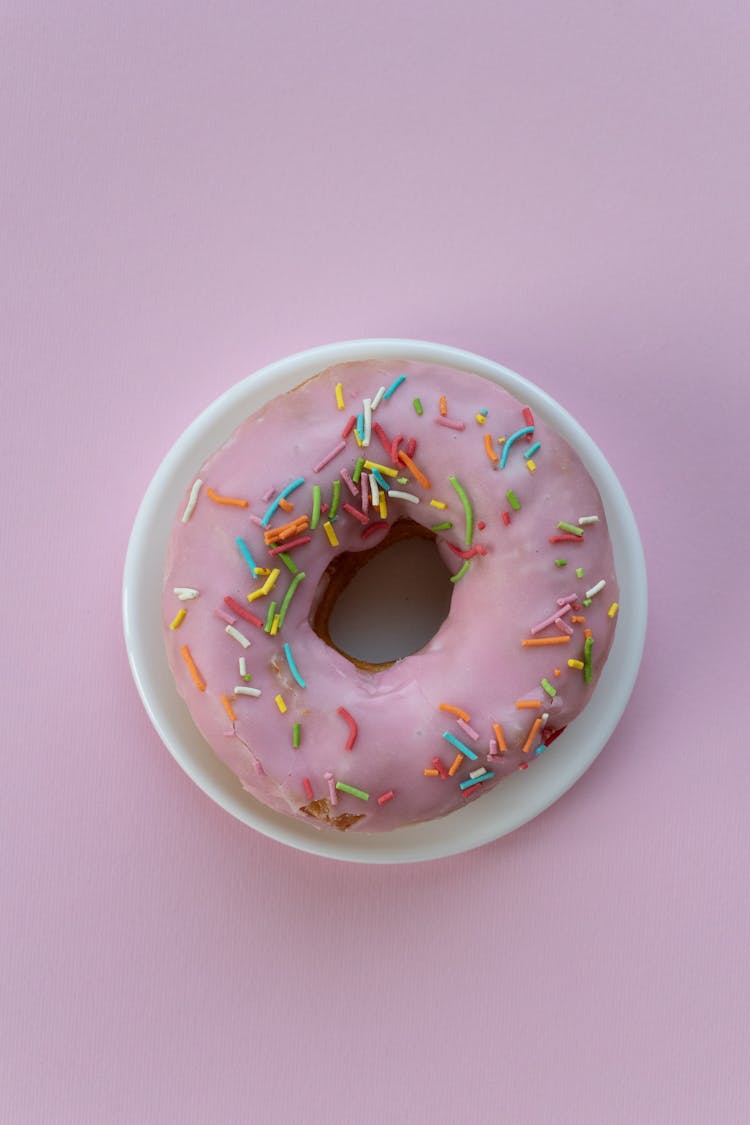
pixel 334 797
pixel 505 518
pixel 450 423
pixel 225 617
pixel 346 478
pixel 329 457
pixel 307 788
pixel 229 733
pixel 493 749
pixel 379 526
pixel 394 448
pixel 290 545
pixel 353 512
pixel 550 620
pixel 384 798
pixel 351 722
pixel 468 730
pixel 364 484
pixel 568 598
pixel 349 427
pixel 256 520
pixel 324 508
pixel 411 447
pixel 268 495
pixel 563 626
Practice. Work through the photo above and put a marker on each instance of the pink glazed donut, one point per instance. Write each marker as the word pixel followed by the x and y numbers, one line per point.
pixel 281 517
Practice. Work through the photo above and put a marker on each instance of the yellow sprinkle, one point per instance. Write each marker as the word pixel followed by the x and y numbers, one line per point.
pixel 480 419
pixel 280 704
pixel 270 582
pixel 501 441
pixel 385 469
pixel 357 438
pixel 612 611
pixel 182 614
pixel 259 593
pixel 328 528
pixel 383 507
pixel 575 664
pixel 274 625
pixel 531 465
pixel 438 504
pixel 261 571
pixel 339 396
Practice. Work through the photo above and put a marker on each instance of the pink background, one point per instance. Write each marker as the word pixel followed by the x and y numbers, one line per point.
pixel 190 191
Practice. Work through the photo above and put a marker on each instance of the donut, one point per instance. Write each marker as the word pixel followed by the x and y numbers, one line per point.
pixel 363 464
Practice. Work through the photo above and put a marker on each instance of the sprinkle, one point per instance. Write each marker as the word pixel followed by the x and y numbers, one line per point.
pixel 455 765
pixel 505 516
pixel 442 526
pixel 612 611
pixel 360 430
pixel 532 450
pixel 378 398
pixel 500 737
pixel 478 772
pixel 192 500
pixel 383 508
pixel 405 459
pixel 285 530
pixel 185 593
pixel 565 539
pixel 469 533
pixel 300 542
pixel 509 442
pixel 551 691
pixel 279 701
pixel 270 582
pixel 243 666
pixel 438 504
pixel 349 427
pixel 579 572
pixel 341 785
pixel 353 512
pixel 344 474
pixel 358 470
pixel 198 680
pixel 570 528
pixel 578 620
pixel 351 722
pixel 245 552
pixel 228 707
pixel 481 418
pixel 443 405
pixel 528 416
pixel 431 773
pixel 539 641
pixel 468 730
pixel 285 505
pixel 550 620
pixel 290 564
pixel 563 626
pixel 339 396
pixel 561 562
pixel 540 749
pixel 556 672
pixel 382 483
pixel 386 470
pixel 576 664
pixel 567 598
pixel 296 737
pixel 315 516
pixel 292 666
pixel 587 601
pixel 366 421
pixel 268 495
pixel 528 704
pixel 374 491
pixel 364 481
pixel 289 595
pixel 477 780
pixel 595 589
pixel 531 465
pixel 513 500
pixel 459 575
pixel 584 520
pixel 329 456
pixel 330 533
pixel 178 620
pixel 460 746
pixel 230 500
pixel 440 768
pixel 236 635
pixel 374 527
pixel 588 644
pixel 394 386
pixel 225 617
pixel 269 617
pixel 282 496
pixel 488 446
pixel 308 788
pixel 393 452
pixel 332 794
pixel 384 798
pixel 254 692
pixel 493 750
pixel 418 406
pixel 457 711
pixel 450 423
pixel 394 494
pixel 532 734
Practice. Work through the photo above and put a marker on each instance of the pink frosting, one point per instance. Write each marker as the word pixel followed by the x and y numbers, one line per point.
pixel 475 662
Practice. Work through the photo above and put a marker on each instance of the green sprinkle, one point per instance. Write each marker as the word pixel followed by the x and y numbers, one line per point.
pixel 442 526
pixel 588 644
pixel 295 736
pixel 462 572
pixel 358 469
pixel 561 562
pixel 289 563
pixel 247 677
pixel 402 480
pixel 587 601
pixel 351 790
pixel 335 500
pixel 469 533
pixel 289 595
pixel 418 405
pixel 513 500
pixel 315 517
pixel 269 617
pixel 551 692
pixel 570 528
pixel 579 572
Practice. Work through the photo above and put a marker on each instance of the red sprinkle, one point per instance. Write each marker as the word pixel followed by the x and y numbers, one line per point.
pixel 353 729
pixel 481 525
pixel 440 768
pixel 384 798
pixel 307 787
pixel 566 539
pixel 349 426
pixel 384 439
pixel 411 447
pixel 505 518
pixel 476 550
pixel 242 612
pixel 394 448
pixel 529 419
pixel 368 531
pixel 290 545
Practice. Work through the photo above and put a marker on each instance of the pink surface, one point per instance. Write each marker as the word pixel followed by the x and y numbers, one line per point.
pixel 186 197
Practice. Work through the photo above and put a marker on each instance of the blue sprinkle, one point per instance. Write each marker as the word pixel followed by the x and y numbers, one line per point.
pixel 361 427
pixel 532 450
pixel 540 748
pixel 244 551
pixel 394 386
pixel 282 496
pixel 381 480
pixel 459 745
pixel 513 437
pixel 292 666
pixel 477 780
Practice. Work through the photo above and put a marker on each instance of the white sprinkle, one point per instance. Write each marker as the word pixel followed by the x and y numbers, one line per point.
pixel 545 717
pixel 192 500
pixel 396 495
pixel 238 636
pixel 254 691
pixel 367 410
pixel 587 519
pixel 376 400
pixel 243 666
pixel 374 491
pixel 185 593
pixel 595 589
pixel 478 772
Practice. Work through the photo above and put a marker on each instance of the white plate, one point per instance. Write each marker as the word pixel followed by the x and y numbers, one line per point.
pixel 519 798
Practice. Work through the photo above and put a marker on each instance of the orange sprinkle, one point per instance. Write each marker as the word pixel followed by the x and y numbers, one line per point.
pixel 528 704
pixel 488 446
pixel 431 773
pixel 535 727
pixel 578 620
pixel 455 711
pixel 456 763
pixel 443 405
pixel 533 642
pixel 556 672
pixel 500 737
pixel 232 500
pixel 587 632
pixel 406 460
pixel 197 679
pixel 287 530
pixel 285 504
pixel 228 707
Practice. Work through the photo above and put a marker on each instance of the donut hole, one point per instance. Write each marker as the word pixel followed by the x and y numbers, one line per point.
pixel 377 606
